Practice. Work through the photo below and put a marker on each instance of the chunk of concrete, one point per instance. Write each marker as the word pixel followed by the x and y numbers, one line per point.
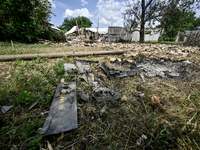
pixel 83 66
pixel 112 60
pixel 69 68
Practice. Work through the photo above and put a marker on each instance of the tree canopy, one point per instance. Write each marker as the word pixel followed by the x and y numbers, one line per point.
pixel 177 19
pixel 22 20
pixel 82 21
pixel 139 13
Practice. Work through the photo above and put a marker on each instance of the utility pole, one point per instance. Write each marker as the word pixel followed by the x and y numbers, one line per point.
pixel 98 26
pixel 77 27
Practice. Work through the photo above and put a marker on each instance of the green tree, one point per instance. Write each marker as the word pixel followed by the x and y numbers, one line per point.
pixel 68 23
pixel 20 19
pixel 139 13
pixel 177 19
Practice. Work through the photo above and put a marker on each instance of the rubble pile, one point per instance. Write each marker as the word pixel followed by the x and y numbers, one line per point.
pixel 134 49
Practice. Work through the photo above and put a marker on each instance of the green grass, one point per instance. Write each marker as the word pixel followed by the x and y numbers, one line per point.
pixel 131 120
pixel 21 48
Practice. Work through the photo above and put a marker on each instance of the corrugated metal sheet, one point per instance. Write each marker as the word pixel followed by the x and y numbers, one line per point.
pixel 55 28
pixel 75 28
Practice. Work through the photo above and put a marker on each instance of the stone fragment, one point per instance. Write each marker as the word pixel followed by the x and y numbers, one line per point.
pixel 103 109
pixel 119 59
pixel 124 97
pixel 155 100
pixel 130 61
pixel 112 60
pixel 69 68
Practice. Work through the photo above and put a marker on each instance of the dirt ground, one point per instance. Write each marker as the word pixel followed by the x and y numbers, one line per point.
pixel 158 109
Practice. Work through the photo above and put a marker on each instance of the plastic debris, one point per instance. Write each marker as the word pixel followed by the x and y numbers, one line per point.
pixel 62 116
pixel 5 109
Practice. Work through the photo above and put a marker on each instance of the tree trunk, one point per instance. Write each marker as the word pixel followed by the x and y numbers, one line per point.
pixel 142 22
pixel 142 33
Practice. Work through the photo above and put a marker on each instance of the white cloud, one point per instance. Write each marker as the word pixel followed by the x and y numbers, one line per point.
pixel 110 11
pixel 84 2
pixel 77 12
pixel 61 5
pixel 52 3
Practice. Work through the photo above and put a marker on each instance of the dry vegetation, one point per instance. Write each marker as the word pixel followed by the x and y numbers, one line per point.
pixel 136 122
pixel 6 49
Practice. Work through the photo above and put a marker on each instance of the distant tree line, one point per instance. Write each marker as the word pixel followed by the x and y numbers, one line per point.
pixel 82 21
pixel 26 21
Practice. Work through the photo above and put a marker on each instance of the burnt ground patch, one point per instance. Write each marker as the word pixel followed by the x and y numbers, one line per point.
pixel 163 68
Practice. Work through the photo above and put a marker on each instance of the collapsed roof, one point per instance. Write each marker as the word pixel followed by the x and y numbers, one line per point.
pixel 72 30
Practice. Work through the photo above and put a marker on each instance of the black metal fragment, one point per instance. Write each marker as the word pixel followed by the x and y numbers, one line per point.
pixel 128 73
pixel 62 116
pixel 109 70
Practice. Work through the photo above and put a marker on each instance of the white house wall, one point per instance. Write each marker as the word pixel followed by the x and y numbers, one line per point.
pixel 116 33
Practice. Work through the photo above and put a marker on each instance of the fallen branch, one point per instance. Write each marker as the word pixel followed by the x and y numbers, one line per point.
pixel 58 55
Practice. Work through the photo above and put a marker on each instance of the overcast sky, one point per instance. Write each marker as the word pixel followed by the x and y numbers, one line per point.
pixel 106 10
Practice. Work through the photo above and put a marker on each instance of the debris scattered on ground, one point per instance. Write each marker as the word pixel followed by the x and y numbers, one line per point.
pixel 110 70
pixel 102 95
pixel 101 83
pixel 5 109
